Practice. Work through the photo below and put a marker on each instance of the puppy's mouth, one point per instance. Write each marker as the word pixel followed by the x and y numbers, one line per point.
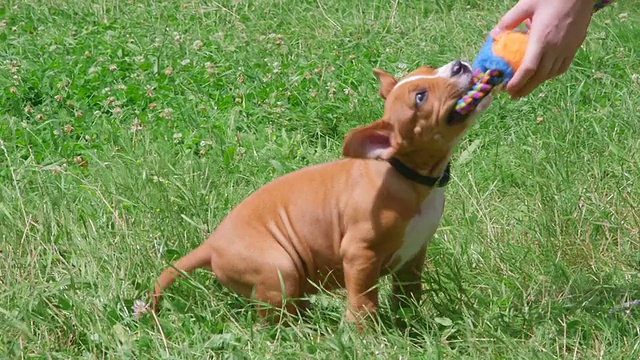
pixel 457 118
pixel 465 79
pixel 454 116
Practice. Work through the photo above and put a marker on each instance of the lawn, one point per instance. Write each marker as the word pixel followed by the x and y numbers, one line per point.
pixel 130 128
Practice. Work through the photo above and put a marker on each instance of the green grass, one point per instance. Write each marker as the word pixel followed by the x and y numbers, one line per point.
pixel 539 239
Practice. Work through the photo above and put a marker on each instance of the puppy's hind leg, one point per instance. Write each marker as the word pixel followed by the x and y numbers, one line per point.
pixel 280 292
pixel 269 276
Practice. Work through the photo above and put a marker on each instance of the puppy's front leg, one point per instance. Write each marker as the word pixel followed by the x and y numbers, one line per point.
pixel 407 281
pixel 361 273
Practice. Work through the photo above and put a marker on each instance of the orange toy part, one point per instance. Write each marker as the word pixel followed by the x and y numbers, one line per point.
pixel 511 46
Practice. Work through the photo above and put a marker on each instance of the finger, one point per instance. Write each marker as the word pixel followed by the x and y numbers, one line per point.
pixel 514 17
pixel 528 68
pixel 496 31
pixel 545 71
pixel 556 68
pixel 566 63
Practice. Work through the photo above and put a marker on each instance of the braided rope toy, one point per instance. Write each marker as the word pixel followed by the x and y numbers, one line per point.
pixel 498 59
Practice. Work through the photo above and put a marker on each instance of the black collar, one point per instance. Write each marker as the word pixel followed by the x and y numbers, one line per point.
pixel 413 175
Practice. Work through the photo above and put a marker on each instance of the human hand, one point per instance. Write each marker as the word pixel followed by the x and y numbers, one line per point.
pixel 556 31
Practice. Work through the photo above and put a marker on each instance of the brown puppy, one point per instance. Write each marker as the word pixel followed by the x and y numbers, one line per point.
pixel 351 221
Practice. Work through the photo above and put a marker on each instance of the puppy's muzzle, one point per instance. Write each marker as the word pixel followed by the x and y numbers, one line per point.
pixel 459 68
pixel 461 72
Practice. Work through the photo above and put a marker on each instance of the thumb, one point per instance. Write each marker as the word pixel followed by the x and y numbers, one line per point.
pixel 514 17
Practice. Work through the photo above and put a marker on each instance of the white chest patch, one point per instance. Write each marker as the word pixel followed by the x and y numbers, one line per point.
pixel 421 228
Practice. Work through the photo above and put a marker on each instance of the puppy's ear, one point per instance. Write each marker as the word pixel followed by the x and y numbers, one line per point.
pixel 387 82
pixel 372 141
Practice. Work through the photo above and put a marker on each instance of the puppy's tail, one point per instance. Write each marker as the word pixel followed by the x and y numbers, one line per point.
pixel 197 258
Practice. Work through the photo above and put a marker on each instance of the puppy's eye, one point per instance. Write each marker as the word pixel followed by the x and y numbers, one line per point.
pixel 421 97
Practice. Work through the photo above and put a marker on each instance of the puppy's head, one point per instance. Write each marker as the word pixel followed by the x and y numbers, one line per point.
pixel 419 120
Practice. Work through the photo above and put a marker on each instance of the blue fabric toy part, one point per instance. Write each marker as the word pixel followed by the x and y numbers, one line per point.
pixel 486 60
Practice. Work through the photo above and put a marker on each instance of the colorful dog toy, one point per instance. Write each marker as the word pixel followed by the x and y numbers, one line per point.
pixel 497 61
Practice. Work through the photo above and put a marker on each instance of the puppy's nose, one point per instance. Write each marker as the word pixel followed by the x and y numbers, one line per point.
pixel 458 68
